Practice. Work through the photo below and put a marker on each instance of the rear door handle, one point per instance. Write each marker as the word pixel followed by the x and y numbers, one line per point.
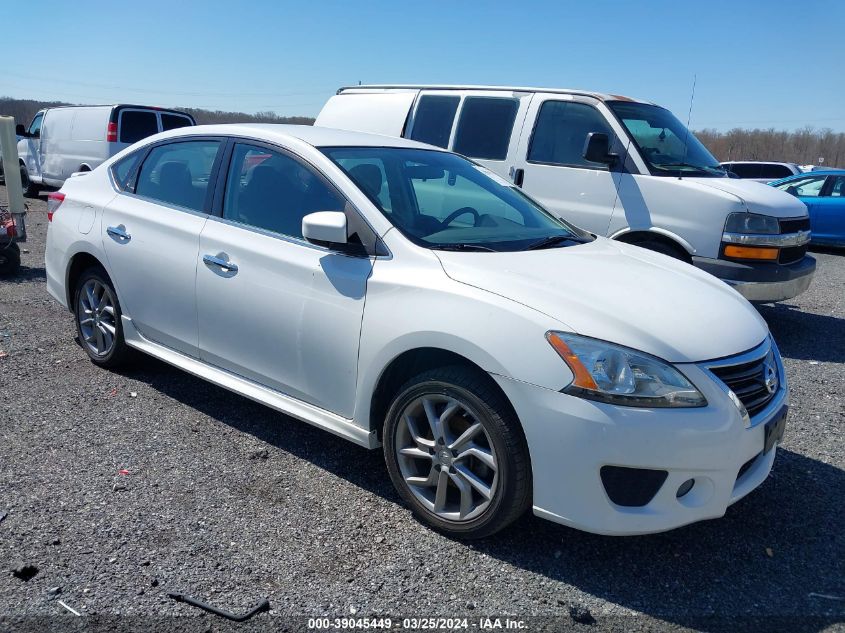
pixel 119 232
pixel 220 262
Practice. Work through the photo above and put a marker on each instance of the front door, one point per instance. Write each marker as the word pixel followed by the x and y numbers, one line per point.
pixel 272 307
pixel 29 148
pixel 827 212
pixel 151 238
pixel 551 167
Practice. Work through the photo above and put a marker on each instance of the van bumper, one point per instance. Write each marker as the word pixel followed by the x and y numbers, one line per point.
pixel 765 281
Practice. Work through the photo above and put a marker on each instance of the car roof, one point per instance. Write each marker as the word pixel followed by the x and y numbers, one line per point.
pixel 312 135
pixel 810 174
pixel 601 96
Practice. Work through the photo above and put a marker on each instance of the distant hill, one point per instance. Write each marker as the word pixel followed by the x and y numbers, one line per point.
pixel 24 109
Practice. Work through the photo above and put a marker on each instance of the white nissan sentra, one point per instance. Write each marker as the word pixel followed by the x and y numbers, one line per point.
pixel 399 295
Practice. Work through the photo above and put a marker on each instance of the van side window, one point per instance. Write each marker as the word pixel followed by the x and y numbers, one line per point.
pixel 561 132
pixel 173 121
pixel 135 125
pixel 272 191
pixel 485 126
pixel 433 119
pixel 35 126
pixel 178 173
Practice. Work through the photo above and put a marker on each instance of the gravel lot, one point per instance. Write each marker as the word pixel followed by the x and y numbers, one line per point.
pixel 231 502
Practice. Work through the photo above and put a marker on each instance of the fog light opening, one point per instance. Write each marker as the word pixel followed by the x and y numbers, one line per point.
pixel 684 488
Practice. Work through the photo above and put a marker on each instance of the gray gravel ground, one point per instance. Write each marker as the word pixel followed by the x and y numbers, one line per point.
pixel 230 502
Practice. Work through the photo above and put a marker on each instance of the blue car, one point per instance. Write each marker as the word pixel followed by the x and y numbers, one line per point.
pixel 824 194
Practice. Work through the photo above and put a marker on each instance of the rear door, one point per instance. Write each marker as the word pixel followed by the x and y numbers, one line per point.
pixel 551 166
pixel 151 238
pixel 274 308
pixel 133 125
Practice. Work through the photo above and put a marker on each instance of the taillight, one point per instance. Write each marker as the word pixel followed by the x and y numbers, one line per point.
pixel 54 201
pixel 111 132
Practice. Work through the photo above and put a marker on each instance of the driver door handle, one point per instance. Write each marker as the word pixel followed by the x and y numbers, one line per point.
pixel 214 260
pixel 119 232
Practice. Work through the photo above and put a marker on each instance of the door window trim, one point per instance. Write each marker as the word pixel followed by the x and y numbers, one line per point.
pixel 377 250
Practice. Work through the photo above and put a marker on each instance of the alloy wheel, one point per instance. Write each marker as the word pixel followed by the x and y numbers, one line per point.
pixel 446 457
pixel 96 314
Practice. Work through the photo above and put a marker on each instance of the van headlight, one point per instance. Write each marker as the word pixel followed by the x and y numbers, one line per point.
pixel 618 375
pixel 753 223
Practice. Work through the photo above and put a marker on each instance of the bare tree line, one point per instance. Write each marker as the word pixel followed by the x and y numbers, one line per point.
pixel 24 109
pixel 804 146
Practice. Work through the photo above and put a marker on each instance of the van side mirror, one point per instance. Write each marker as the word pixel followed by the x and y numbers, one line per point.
pixel 597 149
pixel 325 227
pixel 20 130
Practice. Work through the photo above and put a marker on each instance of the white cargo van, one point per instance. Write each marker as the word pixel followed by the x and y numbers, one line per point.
pixel 615 166
pixel 61 141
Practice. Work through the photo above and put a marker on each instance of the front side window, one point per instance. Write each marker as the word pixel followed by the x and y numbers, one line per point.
pixel 173 121
pixel 443 201
pixel 136 125
pixel 433 119
pixel 810 187
pixel 273 191
pixel 35 126
pixel 774 171
pixel 561 133
pixel 178 173
pixel 485 127
pixel 665 143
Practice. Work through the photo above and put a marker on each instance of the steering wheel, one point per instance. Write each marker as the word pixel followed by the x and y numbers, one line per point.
pixel 456 214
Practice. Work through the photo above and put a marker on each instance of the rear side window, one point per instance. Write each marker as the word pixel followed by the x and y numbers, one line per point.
pixel 136 125
pixel 122 170
pixel 561 133
pixel 173 121
pixel 178 173
pixel 433 119
pixel 838 190
pixel 485 126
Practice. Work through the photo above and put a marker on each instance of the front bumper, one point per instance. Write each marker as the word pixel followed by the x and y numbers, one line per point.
pixel 570 439
pixel 764 281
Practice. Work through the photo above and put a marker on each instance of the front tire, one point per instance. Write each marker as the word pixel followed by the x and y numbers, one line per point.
pixel 30 189
pixel 98 321
pixel 663 248
pixel 456 453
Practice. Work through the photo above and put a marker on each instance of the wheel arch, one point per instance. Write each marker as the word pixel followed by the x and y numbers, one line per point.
pixel 633 236
pixel 77 264
pixel 407 364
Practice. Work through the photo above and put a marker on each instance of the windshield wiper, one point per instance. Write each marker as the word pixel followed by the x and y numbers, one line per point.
pixel 704 168
pixel 464 246
pixel 556 239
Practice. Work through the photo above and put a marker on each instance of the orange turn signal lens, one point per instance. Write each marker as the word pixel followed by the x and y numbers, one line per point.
pixel 751 252
pixel 583 378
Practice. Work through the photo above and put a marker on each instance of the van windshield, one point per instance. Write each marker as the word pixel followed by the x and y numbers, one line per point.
pixel 664 142
pixel 443 201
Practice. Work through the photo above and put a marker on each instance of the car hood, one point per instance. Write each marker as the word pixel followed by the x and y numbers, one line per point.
pixel 758 197
pixel 620 293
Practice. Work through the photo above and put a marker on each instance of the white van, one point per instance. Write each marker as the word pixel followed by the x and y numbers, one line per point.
pixel 618 167
pixel 61 141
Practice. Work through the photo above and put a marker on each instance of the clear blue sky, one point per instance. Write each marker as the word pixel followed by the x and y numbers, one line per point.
pixel 758 63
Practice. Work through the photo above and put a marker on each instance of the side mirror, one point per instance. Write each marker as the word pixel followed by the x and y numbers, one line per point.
pixel 792 190
pixel 325 227
pixel 597 149
pixel 20 130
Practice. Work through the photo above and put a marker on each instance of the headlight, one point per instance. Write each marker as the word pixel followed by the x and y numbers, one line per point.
pixel 618 375
pixel 752 223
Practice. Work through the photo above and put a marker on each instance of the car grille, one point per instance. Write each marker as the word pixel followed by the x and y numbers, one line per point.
pixel 748 382
pixel 793 253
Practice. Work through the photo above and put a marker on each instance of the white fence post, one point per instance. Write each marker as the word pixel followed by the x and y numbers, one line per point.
pixel 12 174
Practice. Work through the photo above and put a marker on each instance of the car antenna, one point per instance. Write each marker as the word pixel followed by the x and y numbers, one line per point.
pixel 686 136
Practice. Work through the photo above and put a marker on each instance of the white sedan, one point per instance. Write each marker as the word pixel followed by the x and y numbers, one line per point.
pixel 398 295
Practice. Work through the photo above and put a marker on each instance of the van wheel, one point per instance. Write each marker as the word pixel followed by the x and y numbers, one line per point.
pixel 98 322
pixel 10 260
pixel 456 453
pixel 30 189
pixel 664 248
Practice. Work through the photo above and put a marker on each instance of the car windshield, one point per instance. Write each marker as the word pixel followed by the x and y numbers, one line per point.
pixel 664 142
pixel 442 201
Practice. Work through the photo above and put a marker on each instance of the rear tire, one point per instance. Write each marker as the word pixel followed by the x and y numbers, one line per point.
pixel 456 453
pixel 10 260
pixel 98 322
